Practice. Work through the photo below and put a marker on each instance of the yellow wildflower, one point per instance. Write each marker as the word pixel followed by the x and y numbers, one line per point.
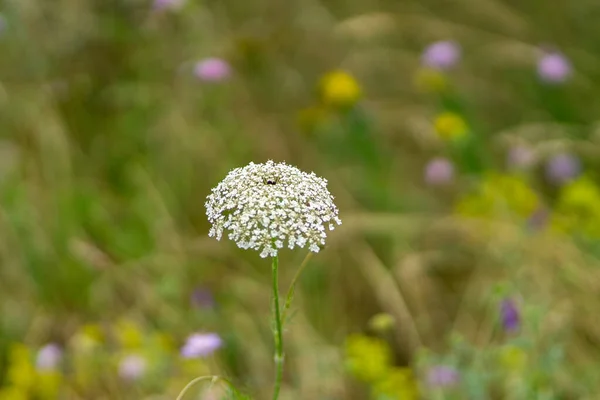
pixel 13 393
pixel 128 334
pixel 89 337
pixel 20 372
pixel 450 126
pixel 396 384
pixel 430 80
pixel 381 322
pixel 48 385
pixel 578 208
pixel 514 359
pixel 367 358
pixel 500 195
pixel 340 89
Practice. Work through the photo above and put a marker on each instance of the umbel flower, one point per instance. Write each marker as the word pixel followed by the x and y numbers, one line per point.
pixel 263 206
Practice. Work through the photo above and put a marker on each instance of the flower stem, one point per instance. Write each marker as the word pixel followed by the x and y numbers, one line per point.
pixel 278 334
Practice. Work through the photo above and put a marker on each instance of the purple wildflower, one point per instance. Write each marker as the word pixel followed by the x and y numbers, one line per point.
pixel 212 70
pixel 439 171
pixel 441 55
pixel 562 168
pixel 538 219
pixel 201 345
pixel 509 315
pixel 520 157
pixel 202 298
pixel 160 5
pixel 554 67
pixel 48 357
pixel 132 367
pixel 442 376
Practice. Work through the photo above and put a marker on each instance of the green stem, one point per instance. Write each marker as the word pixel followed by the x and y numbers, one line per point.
pixel 278 331
pixel 290 293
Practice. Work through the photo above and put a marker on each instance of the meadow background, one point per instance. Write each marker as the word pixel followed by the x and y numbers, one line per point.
pixel 461 142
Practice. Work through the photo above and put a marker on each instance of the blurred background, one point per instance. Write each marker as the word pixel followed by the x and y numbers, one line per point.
pixel 461 142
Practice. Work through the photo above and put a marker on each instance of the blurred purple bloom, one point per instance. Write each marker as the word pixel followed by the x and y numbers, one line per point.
pixel 441 55
pixel 553 67
pixel 538 219
pixel 202 298
pixel 520 157
pixel 439 171
pixel 160 5
pixel 212 70
pixel 442 376
pixel 132 367
pixel 3 23
pixel 48 357
pixel 509 314
pixel 562 168
pixel 201 345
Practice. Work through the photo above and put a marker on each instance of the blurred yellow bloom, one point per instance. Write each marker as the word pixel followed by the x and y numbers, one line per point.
pixel 499 196
pixel 450 126
pixel 48 385
pixel 13 393
pixel 340 89
pixel 430 80
pixel 396 384
pixel 128 334
pixel 367 358
pixel 20 372
pixel 514 359
pixel 89 337
pixel 578 208
pixel 381 322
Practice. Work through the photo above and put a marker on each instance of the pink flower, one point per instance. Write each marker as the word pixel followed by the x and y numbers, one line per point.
pixel 212 70
pixel 441 55
pixel 439 171
pixel 201 345
pixel 160 5
pixel 553 67
pixel 132 367
pixel 48 357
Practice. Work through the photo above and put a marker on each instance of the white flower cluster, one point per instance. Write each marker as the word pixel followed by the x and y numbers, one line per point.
pixel 263 206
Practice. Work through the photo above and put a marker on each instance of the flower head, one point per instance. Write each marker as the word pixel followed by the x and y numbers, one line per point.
pixel 48 357
pixel 554 67
pixel 382 322
pixel 212 70
pixel 509 315
pixel 367 358
pixel 563 168
pixel 520 157
pixel 441 55
pixel 578 208
pixel 442 376
pixel 396 384
pixel 132 367
pixel 161 5
pixel 202 298
pixel 439 171
pixel 449 126
pixel 340 89
pixel 201 345
pixel 264 205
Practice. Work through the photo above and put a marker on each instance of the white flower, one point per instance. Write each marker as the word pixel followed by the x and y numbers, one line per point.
pixel 263 205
